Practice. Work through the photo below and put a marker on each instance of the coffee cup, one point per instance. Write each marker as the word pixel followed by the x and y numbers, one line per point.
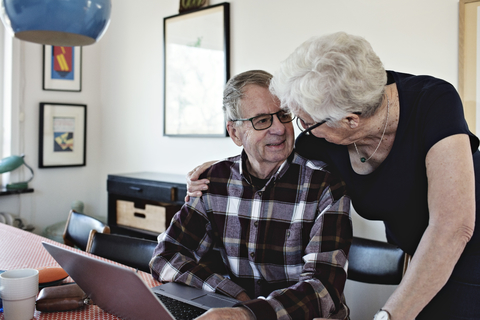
pixel 19 289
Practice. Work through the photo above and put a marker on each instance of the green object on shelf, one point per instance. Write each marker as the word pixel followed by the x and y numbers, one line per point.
pixel 11 163
pixel 17 186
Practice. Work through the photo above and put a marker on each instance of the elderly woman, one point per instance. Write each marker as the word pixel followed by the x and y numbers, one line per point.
pixel 403 147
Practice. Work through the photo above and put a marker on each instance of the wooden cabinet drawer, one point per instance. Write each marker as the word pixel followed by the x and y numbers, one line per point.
pixel 152 218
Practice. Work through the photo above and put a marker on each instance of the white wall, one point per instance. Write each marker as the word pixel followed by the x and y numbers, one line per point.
pixel 55 188
pixel 123 83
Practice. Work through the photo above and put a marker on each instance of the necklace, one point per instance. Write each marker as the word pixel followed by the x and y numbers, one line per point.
pixel 363 159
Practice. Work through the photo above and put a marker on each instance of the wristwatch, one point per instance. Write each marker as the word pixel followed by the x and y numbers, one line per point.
pixel 382 315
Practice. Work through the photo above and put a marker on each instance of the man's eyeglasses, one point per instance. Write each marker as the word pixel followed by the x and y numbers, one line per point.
pixel 265 121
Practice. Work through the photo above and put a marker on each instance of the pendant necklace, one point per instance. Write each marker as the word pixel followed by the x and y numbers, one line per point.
pixel 363 159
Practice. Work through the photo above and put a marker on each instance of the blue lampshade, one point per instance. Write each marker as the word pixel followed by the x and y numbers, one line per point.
pixel 57 22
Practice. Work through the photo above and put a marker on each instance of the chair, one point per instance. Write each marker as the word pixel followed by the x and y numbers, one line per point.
pixel 130 251
pixel 78 229
pixel 376 262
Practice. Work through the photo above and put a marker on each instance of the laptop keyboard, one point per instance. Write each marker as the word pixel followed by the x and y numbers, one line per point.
pixel 180 310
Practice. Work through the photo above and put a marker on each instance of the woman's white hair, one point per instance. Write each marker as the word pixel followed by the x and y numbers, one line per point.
pixel 331 76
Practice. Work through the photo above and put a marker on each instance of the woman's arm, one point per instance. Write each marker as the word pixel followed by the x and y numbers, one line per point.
pixel 195 186
pixel 451 202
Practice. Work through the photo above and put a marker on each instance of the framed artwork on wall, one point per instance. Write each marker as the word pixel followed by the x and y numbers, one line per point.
pixel 469 61
pixel 62 68
pixel 62 136
pixel 196 68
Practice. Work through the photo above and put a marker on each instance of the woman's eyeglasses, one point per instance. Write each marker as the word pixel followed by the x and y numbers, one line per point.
pixel 265 121
pixel 306 128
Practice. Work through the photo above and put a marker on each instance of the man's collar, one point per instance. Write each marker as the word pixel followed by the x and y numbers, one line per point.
pixel 277 175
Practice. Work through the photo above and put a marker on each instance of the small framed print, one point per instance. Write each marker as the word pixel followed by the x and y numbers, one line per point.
pixel 62 68
pixel 63 132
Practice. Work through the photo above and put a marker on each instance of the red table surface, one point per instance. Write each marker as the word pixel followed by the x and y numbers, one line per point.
pixel 20 249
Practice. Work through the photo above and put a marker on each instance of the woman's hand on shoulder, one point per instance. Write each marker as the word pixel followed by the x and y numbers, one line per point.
pixel 195 186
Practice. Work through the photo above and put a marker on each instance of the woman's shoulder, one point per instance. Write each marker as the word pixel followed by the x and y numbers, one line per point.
pixel 419 83
pixel 427 97
pixel 434 105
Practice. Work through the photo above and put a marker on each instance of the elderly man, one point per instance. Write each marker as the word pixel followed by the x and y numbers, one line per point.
pixel 281 222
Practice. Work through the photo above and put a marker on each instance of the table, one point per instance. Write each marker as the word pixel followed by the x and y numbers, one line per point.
pixel 22 249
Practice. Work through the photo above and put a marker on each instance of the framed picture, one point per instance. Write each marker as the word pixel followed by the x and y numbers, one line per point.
pixel 62 68
pixel 63 132
pixel 196 66
pixel 469 61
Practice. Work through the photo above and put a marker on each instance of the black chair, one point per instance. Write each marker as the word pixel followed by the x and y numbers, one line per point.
pixel 78 229
pixel 130 251
pixel 376 262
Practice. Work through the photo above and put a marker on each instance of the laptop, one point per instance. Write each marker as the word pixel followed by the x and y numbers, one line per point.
pixel 122 292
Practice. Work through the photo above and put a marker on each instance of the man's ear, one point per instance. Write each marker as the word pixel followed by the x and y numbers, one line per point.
pixel 233 132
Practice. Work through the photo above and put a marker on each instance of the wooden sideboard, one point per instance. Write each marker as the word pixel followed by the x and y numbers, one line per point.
pixel 142 204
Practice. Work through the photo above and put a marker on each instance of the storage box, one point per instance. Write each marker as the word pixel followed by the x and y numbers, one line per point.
pixel 152 218
pixel 162 190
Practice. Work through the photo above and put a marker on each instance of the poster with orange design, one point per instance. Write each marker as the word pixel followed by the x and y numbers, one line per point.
pixel 62 64
pixel 62 68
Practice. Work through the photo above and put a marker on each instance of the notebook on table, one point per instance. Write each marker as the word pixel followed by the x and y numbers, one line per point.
pixel 122 292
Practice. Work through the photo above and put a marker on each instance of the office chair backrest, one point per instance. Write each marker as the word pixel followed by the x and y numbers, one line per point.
pixel 133 252
pixel 377 262
pixel 78 229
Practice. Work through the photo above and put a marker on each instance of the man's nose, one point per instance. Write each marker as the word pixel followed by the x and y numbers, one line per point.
pixel 277 126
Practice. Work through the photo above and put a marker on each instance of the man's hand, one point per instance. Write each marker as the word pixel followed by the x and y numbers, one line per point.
pixel 238 313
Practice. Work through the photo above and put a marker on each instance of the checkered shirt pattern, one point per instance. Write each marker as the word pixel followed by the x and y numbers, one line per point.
pixel 285 244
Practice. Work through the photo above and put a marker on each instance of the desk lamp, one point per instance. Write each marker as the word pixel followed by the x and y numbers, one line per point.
pixel 11 163
pixel 56 22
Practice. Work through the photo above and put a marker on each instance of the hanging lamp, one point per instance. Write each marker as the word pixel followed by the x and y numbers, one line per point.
pixel 57 22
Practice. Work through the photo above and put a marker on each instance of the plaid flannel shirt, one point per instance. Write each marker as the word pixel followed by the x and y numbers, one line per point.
pixel 285 244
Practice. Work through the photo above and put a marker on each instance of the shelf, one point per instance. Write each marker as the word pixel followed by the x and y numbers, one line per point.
pixel 5 192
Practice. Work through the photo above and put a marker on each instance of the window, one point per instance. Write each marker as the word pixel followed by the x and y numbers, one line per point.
pixel 6 65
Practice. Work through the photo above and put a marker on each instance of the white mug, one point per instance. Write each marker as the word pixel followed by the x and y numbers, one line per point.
pixel 19 289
